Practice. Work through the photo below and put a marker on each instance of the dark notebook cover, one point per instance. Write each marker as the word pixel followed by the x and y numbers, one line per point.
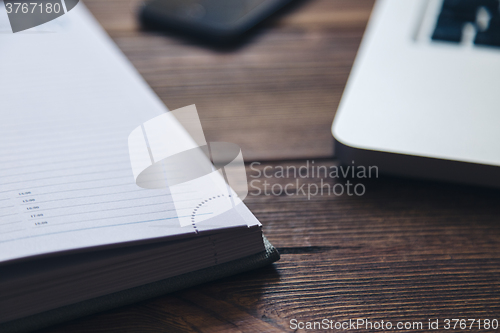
pixel 142 293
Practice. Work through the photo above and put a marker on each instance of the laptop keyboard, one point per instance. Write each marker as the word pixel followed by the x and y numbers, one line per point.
pixel 484 15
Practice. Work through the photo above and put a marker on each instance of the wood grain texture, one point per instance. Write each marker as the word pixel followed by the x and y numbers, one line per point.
pixel 275 96
pixel 404 251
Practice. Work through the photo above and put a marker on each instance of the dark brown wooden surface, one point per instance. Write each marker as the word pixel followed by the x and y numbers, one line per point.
pixel 405 251
pixel 275 96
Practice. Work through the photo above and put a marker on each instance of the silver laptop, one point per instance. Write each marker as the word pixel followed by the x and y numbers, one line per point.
pixel 423 97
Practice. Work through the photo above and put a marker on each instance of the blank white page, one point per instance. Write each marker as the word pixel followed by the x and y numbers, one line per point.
pixel 68 101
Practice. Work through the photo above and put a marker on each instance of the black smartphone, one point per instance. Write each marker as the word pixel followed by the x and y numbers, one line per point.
pixel 212 20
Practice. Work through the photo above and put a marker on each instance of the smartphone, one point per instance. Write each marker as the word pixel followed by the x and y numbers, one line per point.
pixel 212 20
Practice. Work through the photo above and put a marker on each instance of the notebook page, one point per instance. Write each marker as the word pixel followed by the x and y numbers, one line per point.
pixel 68 101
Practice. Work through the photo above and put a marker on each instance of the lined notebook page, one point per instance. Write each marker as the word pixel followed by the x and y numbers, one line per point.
pixel 68 101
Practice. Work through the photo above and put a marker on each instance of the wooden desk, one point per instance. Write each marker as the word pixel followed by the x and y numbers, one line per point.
pixel 405 251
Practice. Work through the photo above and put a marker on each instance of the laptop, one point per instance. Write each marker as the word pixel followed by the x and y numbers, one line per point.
pixel 422 96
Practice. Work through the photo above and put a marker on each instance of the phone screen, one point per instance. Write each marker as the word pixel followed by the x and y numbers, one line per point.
pixel 209 20
pixel 213 11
